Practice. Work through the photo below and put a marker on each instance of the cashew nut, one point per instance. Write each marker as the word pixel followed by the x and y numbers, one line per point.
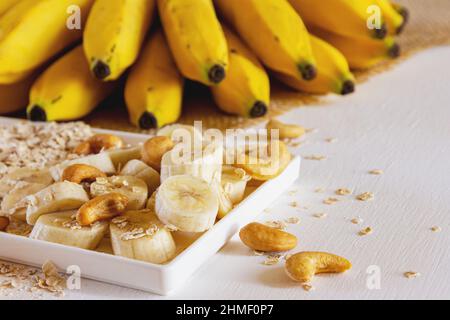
pixel 154 149
pixel 100 208
pixel 4 222
pixel 260 237
pixel 286 131
pixel 303 266
pixel 98 143
pixel 78 173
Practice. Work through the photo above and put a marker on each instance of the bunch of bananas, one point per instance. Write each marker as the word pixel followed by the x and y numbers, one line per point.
pixel 231 46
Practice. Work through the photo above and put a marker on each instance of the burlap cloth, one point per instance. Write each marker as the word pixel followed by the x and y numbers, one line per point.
pixel 429 26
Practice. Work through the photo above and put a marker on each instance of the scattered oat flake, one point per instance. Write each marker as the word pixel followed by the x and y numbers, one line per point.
pixel 272 260
pixel 315 157
pixel 293 220
pixel 311 130
pixel 356 221
pixel 366 196
pixel 320 215
pixel 366 231
pixel 294 204
pixel 331 140
pixel 307 287
pixel 319 190
pixel 411 274
pixel 330 201
pixel 436 229
pixel 276 224
pixel 343 192
pixel 376 172
pixel 258 253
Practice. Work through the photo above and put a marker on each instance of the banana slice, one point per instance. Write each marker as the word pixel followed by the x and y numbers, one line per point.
pixel 101 161
pixel 140 235
pixel 120 157
pixel 20 175
pixel 139 169
pixel 225 204
pixel 234 182
pixel 182 133
pixel 63 228
pixel 133 188
pixel 57 197
pixel 205 164
pixel 187 202
pixel 14 200
pixel 266 167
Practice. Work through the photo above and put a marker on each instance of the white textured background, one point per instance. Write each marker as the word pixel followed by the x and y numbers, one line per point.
pixel 398 121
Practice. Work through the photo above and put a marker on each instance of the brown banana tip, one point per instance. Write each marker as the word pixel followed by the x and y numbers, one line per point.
pixel 394 51
pixel 381 33
pixel 37 114
pixel 216 74
pixel 348 87
pixel 405 14
pixel 259 109
pixel 101 70
pixel 308 71
pixel 148 121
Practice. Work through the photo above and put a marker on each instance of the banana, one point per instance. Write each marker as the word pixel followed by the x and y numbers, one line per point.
pixel 395 21
pixel 66 90
pixel 59 196
pixel 140 235
pixel 62 228
pixel 133 188
pixel 139 169
pixel 404 12
pixel 205 164
pixel 234 182
pixel 5 5
pixel 120 157
pixel 196 39
pixel 21 176
pixel 225 203
pixel 188 203
pixel 14 97
pixel 14 200
pixel 101 161
pixel 275 33
pixel 246 89
pixel 115 31
pixel 361 53
pixel 154 89
pixel 333 72
pixel 33 31
pixel 345 17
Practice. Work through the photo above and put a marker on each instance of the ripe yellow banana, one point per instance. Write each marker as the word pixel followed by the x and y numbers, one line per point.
pixel 154 89
pixel 404 12
pixel 361 53
pixel 345 17
pixel 5 5
pixel 114 34
pixel 196 39
pixel 333 72
pixel 275 32
pixel 33 31
pixel 394 20
pixel 246 90
pixel 14 97
pixel 66 90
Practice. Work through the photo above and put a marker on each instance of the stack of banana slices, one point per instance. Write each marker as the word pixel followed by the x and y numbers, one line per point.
pixel 63 66
pixel 134 201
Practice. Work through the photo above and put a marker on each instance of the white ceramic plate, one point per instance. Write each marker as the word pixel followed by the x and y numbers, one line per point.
pixel 160 279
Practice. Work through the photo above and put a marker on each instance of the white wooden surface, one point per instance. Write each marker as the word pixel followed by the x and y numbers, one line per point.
pixel 399 121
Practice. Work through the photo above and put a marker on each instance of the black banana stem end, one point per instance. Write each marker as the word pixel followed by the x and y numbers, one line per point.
pixel 37 113
pixel 405 14
pixel 381 33
pixel 394 51
pixel 148 121
pixel 348 87
pixel 259 109
pixel 217 74
pixel 308 71
pixel 101 70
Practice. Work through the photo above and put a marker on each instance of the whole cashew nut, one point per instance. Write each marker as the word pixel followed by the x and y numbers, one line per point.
pixel 100 208
pixel 154 149
pixel 78 173
pixel 260 237
pixel 98 143
pixel 303 266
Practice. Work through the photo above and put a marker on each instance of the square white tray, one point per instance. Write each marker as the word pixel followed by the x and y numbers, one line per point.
pixel 160 279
